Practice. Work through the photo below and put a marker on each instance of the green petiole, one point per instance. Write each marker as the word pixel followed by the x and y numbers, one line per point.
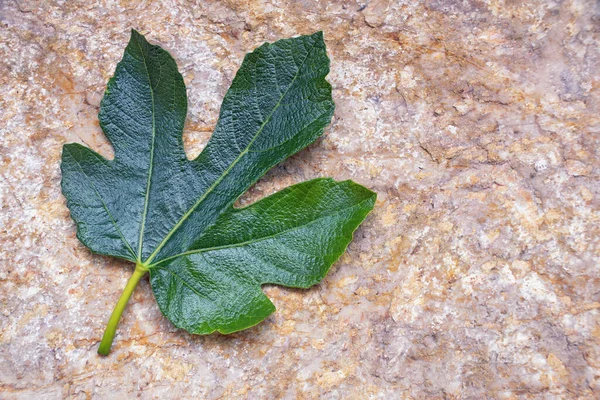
pixel 111 327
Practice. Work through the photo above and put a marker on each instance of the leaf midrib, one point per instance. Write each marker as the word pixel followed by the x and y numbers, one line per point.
pixel 149 181
pixel 148 262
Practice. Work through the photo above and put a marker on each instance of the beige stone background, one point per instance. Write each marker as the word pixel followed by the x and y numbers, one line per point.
pixel 476 276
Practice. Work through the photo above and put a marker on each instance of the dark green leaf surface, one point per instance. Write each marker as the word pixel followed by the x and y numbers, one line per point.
pixel 175 217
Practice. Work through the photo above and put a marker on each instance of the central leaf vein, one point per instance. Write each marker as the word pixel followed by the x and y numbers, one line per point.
pixel 149 181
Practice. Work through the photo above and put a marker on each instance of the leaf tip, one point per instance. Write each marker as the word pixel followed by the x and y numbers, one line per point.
pixel 137 37
pixel 319 37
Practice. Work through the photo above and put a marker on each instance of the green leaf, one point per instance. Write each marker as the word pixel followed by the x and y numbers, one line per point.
pixel 175 218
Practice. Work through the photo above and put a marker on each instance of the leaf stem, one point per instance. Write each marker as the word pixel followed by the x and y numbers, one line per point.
pixel 111 327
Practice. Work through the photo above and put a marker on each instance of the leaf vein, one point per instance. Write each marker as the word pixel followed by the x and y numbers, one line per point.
pixel 247 242
pixel 151 161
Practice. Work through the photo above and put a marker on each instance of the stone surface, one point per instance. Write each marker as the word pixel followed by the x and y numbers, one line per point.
pixel 477 123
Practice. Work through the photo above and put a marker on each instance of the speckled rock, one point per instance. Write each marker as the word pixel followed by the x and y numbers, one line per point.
pixel 476 122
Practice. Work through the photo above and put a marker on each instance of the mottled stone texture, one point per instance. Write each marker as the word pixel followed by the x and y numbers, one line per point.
pixel 475 121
